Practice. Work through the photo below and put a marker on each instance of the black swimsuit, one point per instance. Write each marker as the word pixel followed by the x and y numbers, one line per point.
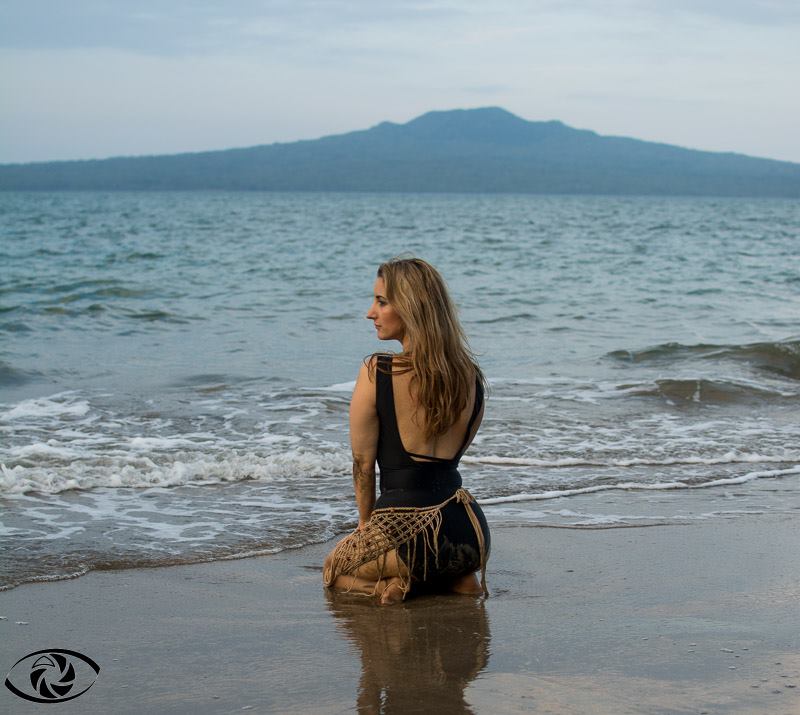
pixel 409 482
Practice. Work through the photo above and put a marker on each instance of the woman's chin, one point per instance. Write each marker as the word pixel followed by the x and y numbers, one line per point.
pixel 387 336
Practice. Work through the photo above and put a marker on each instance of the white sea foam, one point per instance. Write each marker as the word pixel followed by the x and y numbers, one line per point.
pixel 727 458
pixel 567 518
pixel 48 577
pixel 41 449
pixel 143 444
pixel 340 387
pixel 638 486
pixel 45 407
pixel 277 439
pixel 129 471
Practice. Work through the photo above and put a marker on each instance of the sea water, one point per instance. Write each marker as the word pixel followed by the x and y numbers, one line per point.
pixel 175 368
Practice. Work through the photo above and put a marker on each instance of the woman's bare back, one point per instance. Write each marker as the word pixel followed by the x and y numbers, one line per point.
pixel 410 422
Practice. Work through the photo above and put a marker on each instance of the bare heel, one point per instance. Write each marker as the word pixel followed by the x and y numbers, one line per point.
pixel 467 585
pixel 392 592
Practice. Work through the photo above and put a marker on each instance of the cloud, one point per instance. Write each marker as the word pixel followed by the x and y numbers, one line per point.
pixel 210 74
pixel 734 12
pixel 191 26
pixel 486 89
pixel 743 12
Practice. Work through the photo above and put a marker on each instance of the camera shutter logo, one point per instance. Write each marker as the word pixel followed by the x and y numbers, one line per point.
pixel 52 675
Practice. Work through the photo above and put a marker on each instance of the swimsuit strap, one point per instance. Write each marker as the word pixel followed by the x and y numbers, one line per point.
pixel 476 408
pixel 390 443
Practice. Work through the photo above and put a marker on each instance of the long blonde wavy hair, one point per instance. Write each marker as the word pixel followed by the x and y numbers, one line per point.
pixel 443 366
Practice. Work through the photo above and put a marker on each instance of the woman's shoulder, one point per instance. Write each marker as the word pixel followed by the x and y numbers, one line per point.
pixel 378 360
pixel 372 364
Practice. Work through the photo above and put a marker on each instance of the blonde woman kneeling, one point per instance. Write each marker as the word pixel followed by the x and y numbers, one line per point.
pixel 414 413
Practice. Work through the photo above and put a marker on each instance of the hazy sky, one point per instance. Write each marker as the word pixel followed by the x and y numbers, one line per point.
pixel 96 78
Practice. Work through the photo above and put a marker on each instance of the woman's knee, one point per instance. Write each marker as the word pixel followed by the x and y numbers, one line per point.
pixel 326 566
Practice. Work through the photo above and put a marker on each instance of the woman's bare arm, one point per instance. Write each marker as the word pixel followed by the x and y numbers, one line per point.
pixel 364 443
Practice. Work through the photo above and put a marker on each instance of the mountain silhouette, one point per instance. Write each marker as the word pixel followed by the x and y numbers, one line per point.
pixel 487 150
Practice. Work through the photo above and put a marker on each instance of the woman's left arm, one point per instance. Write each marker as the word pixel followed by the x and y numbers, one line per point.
pixel 364 442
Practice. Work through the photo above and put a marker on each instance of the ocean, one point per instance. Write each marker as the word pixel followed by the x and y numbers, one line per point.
pixel 175 368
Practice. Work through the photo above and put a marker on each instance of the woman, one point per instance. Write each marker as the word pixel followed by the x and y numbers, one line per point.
pixel 415 413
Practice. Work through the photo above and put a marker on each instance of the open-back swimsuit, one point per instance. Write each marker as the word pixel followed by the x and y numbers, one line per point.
pixel 438 529
pixel 409 482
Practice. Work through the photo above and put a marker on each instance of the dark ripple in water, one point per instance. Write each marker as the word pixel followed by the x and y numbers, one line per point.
pixel 781 357
pixel 703 391
pixel 14 376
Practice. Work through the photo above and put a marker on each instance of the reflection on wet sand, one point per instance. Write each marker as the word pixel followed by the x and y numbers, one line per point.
pixel 415 656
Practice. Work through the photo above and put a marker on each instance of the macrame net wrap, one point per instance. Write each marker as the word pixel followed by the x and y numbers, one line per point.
pixel 392 527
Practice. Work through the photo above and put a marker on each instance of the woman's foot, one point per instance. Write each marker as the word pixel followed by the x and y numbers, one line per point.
pixel 467 585
pixel 392 592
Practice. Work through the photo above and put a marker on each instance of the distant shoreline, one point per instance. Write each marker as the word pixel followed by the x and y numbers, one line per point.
pixel 455 194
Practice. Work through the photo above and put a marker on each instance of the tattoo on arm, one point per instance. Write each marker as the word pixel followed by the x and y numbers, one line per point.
pixel 363 475
pixel 364 487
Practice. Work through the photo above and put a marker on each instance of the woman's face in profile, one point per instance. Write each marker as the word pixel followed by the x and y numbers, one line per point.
pixel 388 323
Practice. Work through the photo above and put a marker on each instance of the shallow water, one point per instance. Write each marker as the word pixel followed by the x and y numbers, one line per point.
pixel 175 368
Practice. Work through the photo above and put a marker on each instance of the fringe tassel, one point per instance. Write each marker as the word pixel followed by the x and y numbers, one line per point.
pixel 465 498
pixel 392 527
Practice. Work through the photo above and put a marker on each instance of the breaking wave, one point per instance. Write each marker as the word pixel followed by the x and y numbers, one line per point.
pixel 780 357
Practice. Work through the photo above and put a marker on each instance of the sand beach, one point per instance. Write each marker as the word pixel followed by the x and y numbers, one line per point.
pixel 701 618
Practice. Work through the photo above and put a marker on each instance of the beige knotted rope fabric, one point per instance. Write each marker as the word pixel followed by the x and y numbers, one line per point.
pixel 393 527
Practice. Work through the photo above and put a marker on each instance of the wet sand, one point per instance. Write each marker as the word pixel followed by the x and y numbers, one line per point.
pixel 700 618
